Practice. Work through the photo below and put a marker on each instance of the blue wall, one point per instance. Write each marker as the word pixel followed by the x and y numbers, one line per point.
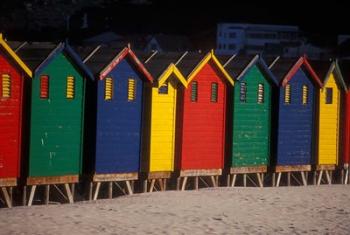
pixel 296 123
pixel 118 136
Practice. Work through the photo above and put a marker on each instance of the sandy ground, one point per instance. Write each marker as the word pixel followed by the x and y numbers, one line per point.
pixel 294 210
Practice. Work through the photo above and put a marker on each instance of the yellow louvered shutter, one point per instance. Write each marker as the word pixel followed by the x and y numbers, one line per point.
pixel 70 87
pixel 131 89
pixel 260 93
pixel 6 86
pixel 305 94
pixel 108 88
pixel 287 94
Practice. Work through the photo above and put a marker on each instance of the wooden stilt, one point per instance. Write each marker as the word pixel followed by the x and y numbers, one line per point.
pixel 73 190
pixel 31 195
pixel 262 178
pixel 315 178
pixel 278 179
pixel 161 185
pixel 132 185
pixel 128 187
pixel 69 193
pixel 319 178
pixel 234 180
pixel 274 179
pixel 329 181
pixel 217 181
pixel 244 180
pixel 228 180
pixel 153 181
pixel 145 186
pixel 24 196
pixel 303 178
pixel 347 175
pixel 91 186
pixel 47 194
pixel 165 184
pixel 184 184
pixel 196 183
pixel 178 183
pixel 259 179
pixel 7 197
pixel 110 190
pixel 97 190
pixel 213 180
pixel 288 178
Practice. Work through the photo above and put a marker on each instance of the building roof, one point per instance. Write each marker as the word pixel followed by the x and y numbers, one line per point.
pixel 172 43
pixel 161 61
pixel 237 64
pixel 322 68
pixel 34 53
pixel 18 60
pixel 282 66
pixel 189 62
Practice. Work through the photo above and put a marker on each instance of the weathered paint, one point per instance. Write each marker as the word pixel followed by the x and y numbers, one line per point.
pixel 346 133
pixel 119 121
pixel 57 123
pixel 10 120
pixel 251 122
pixel 296 122
pixel 203 124
pixel 328 129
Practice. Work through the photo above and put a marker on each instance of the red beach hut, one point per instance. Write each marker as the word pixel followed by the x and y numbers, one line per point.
pixel 201 145
pixel 13 75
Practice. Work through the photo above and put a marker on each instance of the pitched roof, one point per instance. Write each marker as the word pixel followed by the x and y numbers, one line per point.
pixel 189 62
pixel 284 69
pixel 322 68
pixel 344 66
pixel 35 53
pixel 160 62
pixel 14 56
pixel 239 65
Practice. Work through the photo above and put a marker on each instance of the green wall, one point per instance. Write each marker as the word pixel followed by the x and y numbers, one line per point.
pixel 251 122
pixel 57 122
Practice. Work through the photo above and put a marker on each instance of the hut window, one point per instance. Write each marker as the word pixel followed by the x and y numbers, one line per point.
pixel 108 89
pixel 163 89
pixel 44 87
pixel 287 94
pixel 243 92
pixel 131 89
pixel 260 93
pixel 329 95
pixel 214 92
pixel 305 94
pixel 70 87
pixel 6 86
pixel 194 91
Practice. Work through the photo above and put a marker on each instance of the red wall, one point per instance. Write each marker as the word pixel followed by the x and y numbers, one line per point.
pixel 203 135
pixel 10 121
pixel 347 128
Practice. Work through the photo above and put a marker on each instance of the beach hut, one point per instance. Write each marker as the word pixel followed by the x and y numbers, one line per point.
pixel 14 85
pixel 345 159
pixel 201 145
pixel 251 123
pixel 295 129
pixel 159 144
pixel 122 79
pixel 57 117
pixel 329 117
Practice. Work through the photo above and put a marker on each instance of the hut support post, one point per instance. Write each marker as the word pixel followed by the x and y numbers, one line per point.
pixel 319 178
pixel 328 176
pixel 91 186
pixel 288 178
pixel 346 176
pixel 234 180
pixel 7 197
pixel 110 190
pixel 47 194
pixel 69 193
pixel 183 187
pixel 228 180
pixel 303 177
pixel 97 190
pixel 128 187
pixel 178 183
pixel 213 180
pixel 260 179
pixel 273 179
pixel 24 196
pixel 244 180
pixel 153 181
pixel 31 195
pixel 196 183
pixel 278 179
pixel 145 186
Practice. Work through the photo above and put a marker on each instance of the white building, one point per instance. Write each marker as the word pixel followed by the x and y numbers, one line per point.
pixel 256 38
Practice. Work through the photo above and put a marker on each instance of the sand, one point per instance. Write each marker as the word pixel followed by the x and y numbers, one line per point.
pixel 293 210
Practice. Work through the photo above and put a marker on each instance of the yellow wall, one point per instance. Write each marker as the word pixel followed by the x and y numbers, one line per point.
pixel 329 125
pixel 162 140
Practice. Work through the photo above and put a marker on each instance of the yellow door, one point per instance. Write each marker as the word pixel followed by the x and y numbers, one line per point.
pixel 163 127
pixel 329 106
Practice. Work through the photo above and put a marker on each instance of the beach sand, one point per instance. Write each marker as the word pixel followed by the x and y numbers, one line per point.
pixel 284 210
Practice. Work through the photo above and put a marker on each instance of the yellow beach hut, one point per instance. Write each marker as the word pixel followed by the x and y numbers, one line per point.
pixel 329 109
pixel 159 144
